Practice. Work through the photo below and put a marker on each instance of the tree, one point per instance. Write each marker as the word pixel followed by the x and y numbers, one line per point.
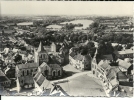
pixel 129 45
pixel 75 38
pixel 119 47
pixel 90 45
pixel 18 58
pixel 110 48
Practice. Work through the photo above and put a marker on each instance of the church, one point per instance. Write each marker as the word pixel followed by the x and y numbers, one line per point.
pixel 41 57
pixel 43 64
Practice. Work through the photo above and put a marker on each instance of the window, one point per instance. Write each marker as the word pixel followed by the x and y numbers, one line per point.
pixel 23 73
pixel 54 74
pixel 59 73
pixel 46 72
pixel 27 72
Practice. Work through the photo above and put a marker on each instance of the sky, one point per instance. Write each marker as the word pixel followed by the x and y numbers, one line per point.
pixel 66 8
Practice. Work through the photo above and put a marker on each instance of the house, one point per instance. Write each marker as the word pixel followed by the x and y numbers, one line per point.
pixel 106 73
pixel 127 53
pixel 82 62
pixel 51 71
pixel 4 81
pixel 103 71
pixel 26 69
pixel 41 82
pixel 124 66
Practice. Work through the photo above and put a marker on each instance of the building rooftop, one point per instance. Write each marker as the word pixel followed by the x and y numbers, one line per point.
pixel 3 77
pixel 121 76
pixel 58 91
pixel 54 65
pixel 126 51
pixel 123 64
pixel 107 57
pixel 104 64
pixel 28 80
pixel 41 80
pixel 27 65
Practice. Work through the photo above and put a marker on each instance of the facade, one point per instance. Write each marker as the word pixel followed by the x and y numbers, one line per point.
pixel 127 53
pixel 125 66
pixel 51 71
pixel 4 81
pixel 25 73
pixel 106 73
pixel 81 62
pixel 40 55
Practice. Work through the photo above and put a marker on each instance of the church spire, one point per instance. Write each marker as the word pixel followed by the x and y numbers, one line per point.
pixel 40 48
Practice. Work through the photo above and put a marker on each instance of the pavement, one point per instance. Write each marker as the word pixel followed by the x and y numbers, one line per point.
pixel 70 68
pixel 82 84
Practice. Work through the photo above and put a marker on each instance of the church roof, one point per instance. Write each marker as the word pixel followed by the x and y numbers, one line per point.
pixel 28 65
pixel 41 48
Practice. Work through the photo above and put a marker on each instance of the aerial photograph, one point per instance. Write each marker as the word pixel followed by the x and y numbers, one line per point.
pixel 67 49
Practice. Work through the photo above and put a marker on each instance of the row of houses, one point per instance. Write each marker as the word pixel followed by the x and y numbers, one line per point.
pixel 111 76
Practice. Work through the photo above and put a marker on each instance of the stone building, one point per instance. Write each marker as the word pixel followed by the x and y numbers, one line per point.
pixel 51 71
pixel 81 62
pixel 25 73
pixel 40 55
pixel 4 81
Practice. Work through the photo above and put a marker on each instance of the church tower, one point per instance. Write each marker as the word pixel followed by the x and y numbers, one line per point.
pixel 40 55
pixel 53 47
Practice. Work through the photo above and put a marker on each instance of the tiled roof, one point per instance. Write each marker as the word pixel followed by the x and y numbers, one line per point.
pixel 72 54
pixel 40 79
pixel 27 65
pixel 107 57
pixel 58 91
pixel 36 76
pixel 3 77
pixel 28 80
pixel 43 64
pixel 126 51
pixel 104 64
pixel 124 64
pixel 121 76
pixel 54 65
pixel 79 57
pixel 111 74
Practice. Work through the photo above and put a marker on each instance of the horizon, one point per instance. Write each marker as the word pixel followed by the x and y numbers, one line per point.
pixel 48 8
